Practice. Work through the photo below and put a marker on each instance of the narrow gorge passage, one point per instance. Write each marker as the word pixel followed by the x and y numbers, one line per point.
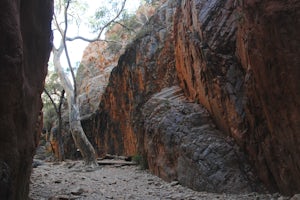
pixel 218 165
pixel 206 92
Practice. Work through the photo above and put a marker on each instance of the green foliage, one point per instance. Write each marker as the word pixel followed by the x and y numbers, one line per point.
pixel 104 14
pixel 114 47
pixel 53 86
pixel 50 117
pixel 140 160
pixel 146 1
pixel 129 25
pixel 77 9
pixel 130 20
pixel 150 2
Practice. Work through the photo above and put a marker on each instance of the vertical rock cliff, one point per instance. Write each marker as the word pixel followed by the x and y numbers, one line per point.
pixel 164 129
pixel 208 70
pixel 25 44
pixel 145 68
pixel 240 61
pixel 268 45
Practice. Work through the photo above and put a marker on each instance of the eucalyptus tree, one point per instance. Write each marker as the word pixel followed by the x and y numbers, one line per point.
pixel 53 99
pixel 69 12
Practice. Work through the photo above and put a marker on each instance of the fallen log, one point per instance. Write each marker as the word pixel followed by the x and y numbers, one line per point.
pixel 109 156
pixel 115 162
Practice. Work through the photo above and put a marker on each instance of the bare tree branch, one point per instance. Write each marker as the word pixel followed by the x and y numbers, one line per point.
pixel 90 40
pixel 67 52
pixel 52 101
pixel 124 26
pixel 59 69
pixel 61 100
pixel 58 25
pixel 112 20
pixel 81 141
pixel 102 29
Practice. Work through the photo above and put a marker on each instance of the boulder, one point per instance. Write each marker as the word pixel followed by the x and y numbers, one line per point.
pixel 182 143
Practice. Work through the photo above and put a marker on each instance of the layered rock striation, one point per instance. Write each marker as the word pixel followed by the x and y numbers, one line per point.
pixel 93 75
pixel 182 143
pixel 239 60
pixel 268 47
pixel 145 68
pixel 25 45
pixel 241 63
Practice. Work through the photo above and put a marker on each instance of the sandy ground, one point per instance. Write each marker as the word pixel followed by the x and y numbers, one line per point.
pixel 69 180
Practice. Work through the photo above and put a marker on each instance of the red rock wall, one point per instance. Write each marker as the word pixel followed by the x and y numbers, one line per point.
pixel 240 59
pixel 248 81
pixel 145 68
pixel 25 45
pixel 182 143
pixel 269 49
pixel 208 70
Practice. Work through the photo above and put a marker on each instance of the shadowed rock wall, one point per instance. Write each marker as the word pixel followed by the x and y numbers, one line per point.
pixel 25 44
pixel 269 49
pixel 182 143
pixel 240 59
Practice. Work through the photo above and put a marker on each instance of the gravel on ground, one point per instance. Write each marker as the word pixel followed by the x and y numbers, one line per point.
pixel 71 180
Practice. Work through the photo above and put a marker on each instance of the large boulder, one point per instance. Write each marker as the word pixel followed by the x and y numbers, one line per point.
pixel 182 143
pixel 25 45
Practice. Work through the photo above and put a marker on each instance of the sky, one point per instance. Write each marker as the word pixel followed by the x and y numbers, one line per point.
pixel 77 47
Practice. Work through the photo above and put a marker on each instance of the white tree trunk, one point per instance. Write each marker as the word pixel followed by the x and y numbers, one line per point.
pixel 82 143
pixel 86 149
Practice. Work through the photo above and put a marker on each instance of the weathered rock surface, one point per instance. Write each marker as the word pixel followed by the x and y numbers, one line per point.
pixel 93 75
pixel 25 45
pixel 182 143
pixel 145 68
pixel 239 59
pixel 269 47
pixel 208 70
pixel 249 83
pixel 99 58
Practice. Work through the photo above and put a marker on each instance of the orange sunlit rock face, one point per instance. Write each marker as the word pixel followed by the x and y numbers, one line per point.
pixel 145 68
pixel 242 69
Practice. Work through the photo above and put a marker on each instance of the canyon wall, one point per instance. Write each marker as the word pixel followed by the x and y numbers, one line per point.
pixel 239 60
pixel 145 68
pixel 25 45
pixel 268 45
pixel 242 63
pixel 164 129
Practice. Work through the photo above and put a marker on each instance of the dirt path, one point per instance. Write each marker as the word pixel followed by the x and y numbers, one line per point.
pixel 67 180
